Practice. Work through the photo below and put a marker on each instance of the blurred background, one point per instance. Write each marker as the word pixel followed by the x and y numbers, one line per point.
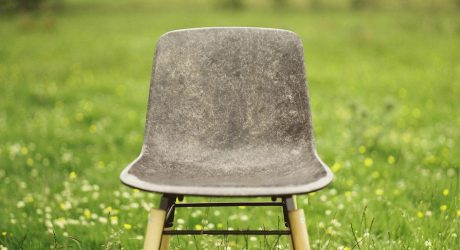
pixel 384 82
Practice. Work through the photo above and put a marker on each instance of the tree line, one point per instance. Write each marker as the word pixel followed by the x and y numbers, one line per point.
pixel 34 5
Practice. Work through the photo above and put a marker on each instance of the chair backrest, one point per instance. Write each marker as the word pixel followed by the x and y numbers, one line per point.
pixel 226 88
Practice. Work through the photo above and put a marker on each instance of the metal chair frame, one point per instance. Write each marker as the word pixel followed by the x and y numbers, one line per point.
pixel 161 221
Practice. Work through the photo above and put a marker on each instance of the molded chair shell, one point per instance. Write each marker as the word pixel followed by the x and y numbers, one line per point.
pixel 228 115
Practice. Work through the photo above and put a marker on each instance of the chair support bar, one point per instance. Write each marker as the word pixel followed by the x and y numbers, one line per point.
pixel 168 203
pixel 230 204
pixel 227 232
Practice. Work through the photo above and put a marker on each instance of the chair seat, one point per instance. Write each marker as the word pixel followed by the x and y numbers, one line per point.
pixel 246 171
pixel 228 115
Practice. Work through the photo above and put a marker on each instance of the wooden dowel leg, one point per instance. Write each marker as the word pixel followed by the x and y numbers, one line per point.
pixel 298 226
pixel 299 232
pixel 154 229
pixel 165 241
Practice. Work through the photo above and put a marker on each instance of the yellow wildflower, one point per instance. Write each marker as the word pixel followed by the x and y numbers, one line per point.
pixel 420 214
pixel 379 191
pixel 127 226
pixel 92 129
pixel 24 150
pixel 30 162
pixel 114 220
pixel 100 164
pixel 108 210
pixel 368 162
pixel 29 198
pixel 87 213
pixel 443 208
pixel 375 174
pixel 391 159
pixel 336 167
pixel 72 175
pixel 65 205
pixel 445 192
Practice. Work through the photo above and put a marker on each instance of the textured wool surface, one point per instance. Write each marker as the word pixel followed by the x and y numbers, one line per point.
pixel 228 115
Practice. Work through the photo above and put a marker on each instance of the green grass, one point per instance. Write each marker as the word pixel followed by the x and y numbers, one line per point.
pixel 385 93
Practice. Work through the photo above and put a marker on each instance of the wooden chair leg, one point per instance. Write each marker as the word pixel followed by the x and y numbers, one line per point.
pixel 298 226
pixel 154 231
pixel 165 241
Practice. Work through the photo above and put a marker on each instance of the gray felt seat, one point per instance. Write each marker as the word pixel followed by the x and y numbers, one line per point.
pixel 228 115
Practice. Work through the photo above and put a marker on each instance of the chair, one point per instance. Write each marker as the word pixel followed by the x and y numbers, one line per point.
pixel 228 116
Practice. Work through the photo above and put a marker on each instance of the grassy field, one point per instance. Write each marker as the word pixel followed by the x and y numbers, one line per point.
pixel 385 90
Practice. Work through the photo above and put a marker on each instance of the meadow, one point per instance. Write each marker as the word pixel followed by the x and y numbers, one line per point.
pixel 385 92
